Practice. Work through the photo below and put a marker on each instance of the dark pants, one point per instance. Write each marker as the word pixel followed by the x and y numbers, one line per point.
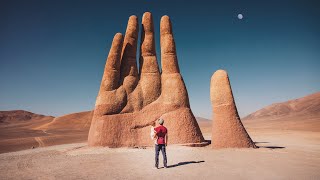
pixel 161 147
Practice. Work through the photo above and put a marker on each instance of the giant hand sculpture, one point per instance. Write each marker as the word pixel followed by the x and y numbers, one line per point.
pixel 130 101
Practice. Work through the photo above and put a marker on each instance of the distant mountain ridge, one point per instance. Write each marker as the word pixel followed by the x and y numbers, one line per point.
pixel 307 105
pixel 19 116
pixel 302 114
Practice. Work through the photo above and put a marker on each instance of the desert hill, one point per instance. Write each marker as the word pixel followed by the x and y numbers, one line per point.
pixel 298 114
pixel 308 105
pixel 24 130
pixel 17 129
pixel 71 122
pixel 12 122
pixel 15 117
pixel 205 126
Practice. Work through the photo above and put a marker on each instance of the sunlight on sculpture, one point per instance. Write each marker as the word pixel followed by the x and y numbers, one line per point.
pixel 227 128
pixel 130 101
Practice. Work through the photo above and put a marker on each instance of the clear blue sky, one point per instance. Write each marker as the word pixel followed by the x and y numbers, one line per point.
pixel 52 53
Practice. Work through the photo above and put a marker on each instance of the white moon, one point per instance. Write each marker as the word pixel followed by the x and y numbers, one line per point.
pixel 240 16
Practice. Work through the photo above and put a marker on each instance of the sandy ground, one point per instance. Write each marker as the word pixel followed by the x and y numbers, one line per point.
pixel 283 154
pixel 20 134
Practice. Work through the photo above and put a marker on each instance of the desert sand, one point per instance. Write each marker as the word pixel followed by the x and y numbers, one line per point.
pixel 283 154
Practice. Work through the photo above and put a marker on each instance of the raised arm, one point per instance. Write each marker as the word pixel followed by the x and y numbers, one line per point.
pixel 155 135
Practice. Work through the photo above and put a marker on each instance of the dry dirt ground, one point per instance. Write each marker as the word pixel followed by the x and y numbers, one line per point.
pixel 283 154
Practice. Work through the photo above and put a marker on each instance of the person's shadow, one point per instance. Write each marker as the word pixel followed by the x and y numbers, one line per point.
pixel 184 163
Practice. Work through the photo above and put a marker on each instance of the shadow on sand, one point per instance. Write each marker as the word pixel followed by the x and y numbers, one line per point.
pixel 272 147
pixel 184 163
pixel 269 147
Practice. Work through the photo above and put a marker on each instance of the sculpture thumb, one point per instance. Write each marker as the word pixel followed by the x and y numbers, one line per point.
pixel 227 128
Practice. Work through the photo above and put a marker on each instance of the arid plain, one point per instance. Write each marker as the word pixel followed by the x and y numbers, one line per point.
pixel 288 136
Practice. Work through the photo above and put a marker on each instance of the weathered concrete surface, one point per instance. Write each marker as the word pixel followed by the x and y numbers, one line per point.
pixel 129 102
pixel 227 129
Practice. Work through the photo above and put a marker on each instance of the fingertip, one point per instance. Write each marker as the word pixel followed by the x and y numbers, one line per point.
pixel 147 22
pixel 165 25
pixel 147 17
pixel 133 21
pixel 118 36
pixel 146 14
pixel 220 73
pixel 218 77
pixel 133 17
pixel 165 18
pixel 132 27
pixel 117 40
pixel 117 43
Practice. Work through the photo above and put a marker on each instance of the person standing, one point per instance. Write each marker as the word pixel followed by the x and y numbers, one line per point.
pixel 161 134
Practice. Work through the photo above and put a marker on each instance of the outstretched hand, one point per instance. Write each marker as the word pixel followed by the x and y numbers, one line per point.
pixel 131 99
pixel 124 89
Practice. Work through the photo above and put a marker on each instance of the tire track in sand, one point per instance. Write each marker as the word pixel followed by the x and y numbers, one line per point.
pixel 40 142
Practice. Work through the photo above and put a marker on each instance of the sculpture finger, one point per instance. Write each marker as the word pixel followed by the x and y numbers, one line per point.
pixel 111 75
pixel 148 59
pixel 129 71
pixel 169 59
pixel 173 89
pixel 220 90
pixel 149 70
pixel 227 128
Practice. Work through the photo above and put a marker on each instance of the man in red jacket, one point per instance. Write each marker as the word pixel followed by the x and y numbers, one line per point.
pixel 161 133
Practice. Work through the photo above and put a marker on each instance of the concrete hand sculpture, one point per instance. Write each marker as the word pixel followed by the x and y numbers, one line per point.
pixel 227 129
pixel 130 101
